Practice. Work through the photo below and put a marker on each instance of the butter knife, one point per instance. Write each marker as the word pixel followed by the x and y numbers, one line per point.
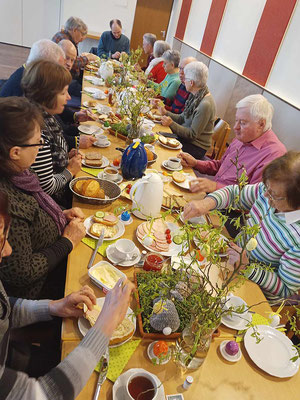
pixel 99 243
pixel 102 376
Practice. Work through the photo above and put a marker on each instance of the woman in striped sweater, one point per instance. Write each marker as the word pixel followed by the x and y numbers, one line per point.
pixel 46 84
pixel 275 206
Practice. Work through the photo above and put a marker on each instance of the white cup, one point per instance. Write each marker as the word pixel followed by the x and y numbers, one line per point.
pixel 101 139
pixel 174 162
pixel 111 173
pixel 124 248
pixel 234 303
pixel 143 374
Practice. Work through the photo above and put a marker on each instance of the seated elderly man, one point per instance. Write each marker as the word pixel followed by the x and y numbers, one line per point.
pixel 275 206
pixel 194 127
pixel 112 43
pixel 255 143
pixel 70 53
pixel 148 42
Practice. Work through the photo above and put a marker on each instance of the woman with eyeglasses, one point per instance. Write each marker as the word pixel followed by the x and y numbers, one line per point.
pixel 67 379
pixel 275 206
pixel 41 234
pixel 46 84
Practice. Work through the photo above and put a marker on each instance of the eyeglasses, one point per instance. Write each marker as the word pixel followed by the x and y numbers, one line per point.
pixel 40 144
pixel 272 197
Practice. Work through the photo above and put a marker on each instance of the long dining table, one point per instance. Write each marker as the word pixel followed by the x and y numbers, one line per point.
pixel 216 378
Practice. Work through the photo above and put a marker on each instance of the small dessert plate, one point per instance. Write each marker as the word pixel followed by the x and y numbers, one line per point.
pixel 102 176
pixel 152 356
pixel 241 324
pixel 227 356
pixel 90 129
pixel 107 144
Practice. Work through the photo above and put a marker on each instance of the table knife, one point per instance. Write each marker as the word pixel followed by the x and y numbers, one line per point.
pixel 102 376
pixel 99 243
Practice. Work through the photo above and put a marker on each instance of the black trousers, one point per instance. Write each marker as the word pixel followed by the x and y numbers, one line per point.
pixel 193 150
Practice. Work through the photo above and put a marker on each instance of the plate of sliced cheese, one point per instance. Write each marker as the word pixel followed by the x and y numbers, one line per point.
pixel 113 227
pixel 122 334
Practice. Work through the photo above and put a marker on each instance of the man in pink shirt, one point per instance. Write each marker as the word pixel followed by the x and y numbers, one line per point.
pixel 255 143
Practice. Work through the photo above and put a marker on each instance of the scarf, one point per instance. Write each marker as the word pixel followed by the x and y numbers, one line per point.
pixel 29 182
pixel 193 101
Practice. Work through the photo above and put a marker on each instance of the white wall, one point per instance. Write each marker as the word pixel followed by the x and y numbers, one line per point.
pixel 97 13
pixel 197 22
pixel 11 21
pixel 173 21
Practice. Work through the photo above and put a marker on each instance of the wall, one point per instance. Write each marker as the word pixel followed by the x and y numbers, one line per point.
pixel 228 36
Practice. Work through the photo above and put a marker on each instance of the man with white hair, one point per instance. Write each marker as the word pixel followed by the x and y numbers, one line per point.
pixel 255 144
pixel 148 42
pixel 113 43
pixel 70 53
pixel 43 49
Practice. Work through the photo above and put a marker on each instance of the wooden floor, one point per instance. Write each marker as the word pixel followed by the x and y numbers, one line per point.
pixel 11 58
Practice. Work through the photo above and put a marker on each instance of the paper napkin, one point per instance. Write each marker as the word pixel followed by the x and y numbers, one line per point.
pixel 118 358
pixel 257 319
pixel 92 243
pixel 92 171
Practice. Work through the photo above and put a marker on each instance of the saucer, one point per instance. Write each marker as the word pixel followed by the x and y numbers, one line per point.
pixel 90 129
pixel 152 356
pixel 165 165
pixel 119 387
pixel 227 356
pixel 239 325
pixel 111 255
pixel 119 180
pixel 107 144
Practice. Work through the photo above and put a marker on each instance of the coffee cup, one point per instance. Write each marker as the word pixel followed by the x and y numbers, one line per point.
pixel 174 162
pixel 124 248
pixel 101 139
pixel 110 173
pixel 237 308
pixel 140 382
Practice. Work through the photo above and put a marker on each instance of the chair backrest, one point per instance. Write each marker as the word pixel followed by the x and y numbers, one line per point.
pixel 219 140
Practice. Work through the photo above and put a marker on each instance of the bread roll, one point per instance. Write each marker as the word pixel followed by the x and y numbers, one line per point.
pixel 150 155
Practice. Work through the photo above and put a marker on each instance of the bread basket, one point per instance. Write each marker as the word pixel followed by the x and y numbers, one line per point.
pixel 112 191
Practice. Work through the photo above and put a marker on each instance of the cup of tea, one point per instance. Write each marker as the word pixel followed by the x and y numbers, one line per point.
pixel 141 385
pixel 124 248
pixel 174 162
pixel 235 303
pixel 110 173
pixel 101 139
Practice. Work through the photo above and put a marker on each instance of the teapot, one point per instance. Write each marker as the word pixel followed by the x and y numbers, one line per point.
pixel 106 70
pixel 147 196
pixel 134 160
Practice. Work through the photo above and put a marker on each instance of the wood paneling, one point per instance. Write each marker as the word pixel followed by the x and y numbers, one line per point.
pixel 11 58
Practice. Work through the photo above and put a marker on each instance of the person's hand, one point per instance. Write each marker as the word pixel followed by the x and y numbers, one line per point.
pixel 116 55
pixel 74 212
pixel 74 165
pixel 86 141
pixel 202 185
pixel 161 110
pixel 166 121
pixel 68 306
pixel 115 307
pixel 187 160
pixel 73 152
pixel 196 208
pixel 74 231
pixel 234 256
pixel 84 115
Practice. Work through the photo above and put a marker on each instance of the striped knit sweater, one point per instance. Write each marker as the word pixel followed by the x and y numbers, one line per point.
pixel 278 242
pixel 52 159
pixel 63 382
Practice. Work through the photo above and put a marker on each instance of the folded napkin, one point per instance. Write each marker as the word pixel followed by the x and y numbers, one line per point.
pixel 92 243
pixel 257 319
pixel 118 358
pixel 92 171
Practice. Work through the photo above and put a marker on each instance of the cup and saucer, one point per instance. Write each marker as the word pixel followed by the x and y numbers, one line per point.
pixel 236 320
pixel 102 141
pixel 111 174
pixel 172 164
pixel 123 253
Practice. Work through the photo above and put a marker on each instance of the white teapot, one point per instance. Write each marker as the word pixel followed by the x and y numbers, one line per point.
pixel 147 196
pixel 106 70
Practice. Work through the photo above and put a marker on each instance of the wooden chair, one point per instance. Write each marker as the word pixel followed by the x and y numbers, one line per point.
pixel 219 140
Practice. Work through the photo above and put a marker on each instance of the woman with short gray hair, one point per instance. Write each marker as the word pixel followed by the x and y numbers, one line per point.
pixel 155 70
pixel 195 125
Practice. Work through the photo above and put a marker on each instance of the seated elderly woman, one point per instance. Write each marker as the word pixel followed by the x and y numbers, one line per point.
pixel 69 377
pixel 46 84
pixel 169 86
pixel 195 125
pixel 155 70
pixel 41 234
pixel 275 206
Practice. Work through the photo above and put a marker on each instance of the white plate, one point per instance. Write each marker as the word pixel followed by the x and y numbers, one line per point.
pixel 86 104
pixel 273 353
pixel 96 93
pixel 103 109
pixel 119 180
pixel 165 165
pixel 186 183
pixel 90 129
pixel 152 356
pixel 194 221
pixel 84 325
pixel 105 163
pixel 119 387
pixel 240 324
pixel 89 222
pixel 174 249
pixel 200 247
pixel 228 357
pixel 113 257
pixel 102 146
pixel 171 148
pixel 112 165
